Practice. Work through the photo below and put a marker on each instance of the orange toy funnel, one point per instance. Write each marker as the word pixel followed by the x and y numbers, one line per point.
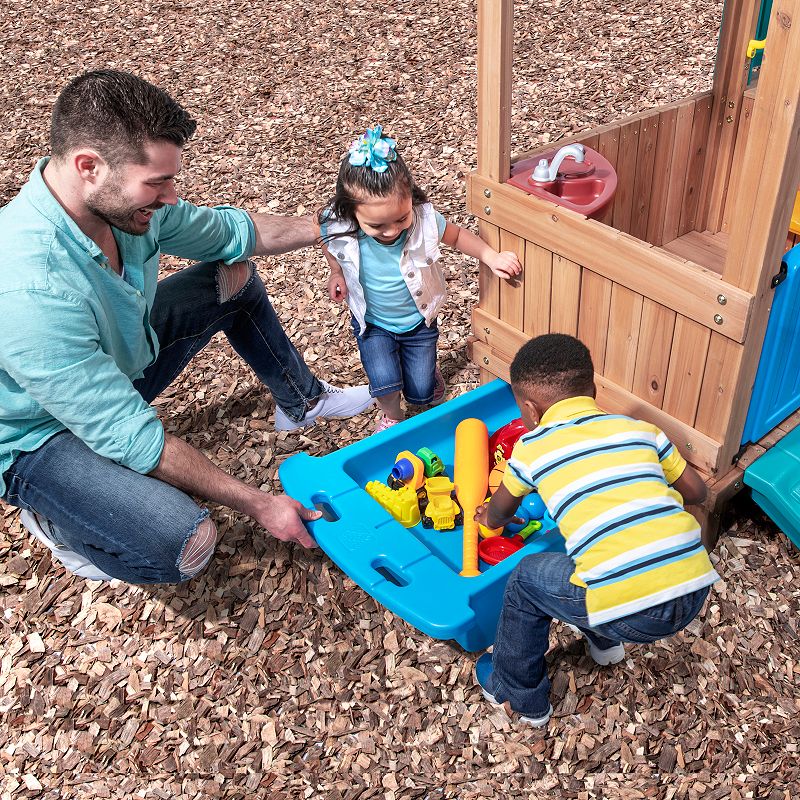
pixel 471 475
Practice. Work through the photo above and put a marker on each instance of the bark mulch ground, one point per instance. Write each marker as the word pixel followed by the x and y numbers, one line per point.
pixel 272 675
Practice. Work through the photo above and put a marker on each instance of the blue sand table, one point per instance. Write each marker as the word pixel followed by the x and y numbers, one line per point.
pixel 411 571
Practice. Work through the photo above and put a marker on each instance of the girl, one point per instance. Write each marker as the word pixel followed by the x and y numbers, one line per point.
pixel 381 238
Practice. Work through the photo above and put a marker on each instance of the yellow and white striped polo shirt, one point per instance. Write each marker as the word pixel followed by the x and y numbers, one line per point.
pixel 604 479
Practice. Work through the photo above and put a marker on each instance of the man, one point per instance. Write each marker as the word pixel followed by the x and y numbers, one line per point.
pixel 88 339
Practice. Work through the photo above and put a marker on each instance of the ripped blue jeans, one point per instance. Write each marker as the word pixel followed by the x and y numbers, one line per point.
pixel 132 526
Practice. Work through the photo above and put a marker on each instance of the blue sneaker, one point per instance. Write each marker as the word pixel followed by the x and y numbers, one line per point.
pixel 483 674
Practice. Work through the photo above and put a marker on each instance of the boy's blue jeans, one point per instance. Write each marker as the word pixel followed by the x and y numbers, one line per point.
pixel 132 526
pixel 539 591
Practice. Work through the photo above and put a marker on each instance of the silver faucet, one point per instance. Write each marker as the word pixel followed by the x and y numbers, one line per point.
pixel 546 173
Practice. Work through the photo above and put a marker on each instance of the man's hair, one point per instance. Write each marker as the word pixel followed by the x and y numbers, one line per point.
pixel 555 361
pixel 117 114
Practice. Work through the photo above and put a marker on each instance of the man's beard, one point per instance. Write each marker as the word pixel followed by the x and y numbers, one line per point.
pixel 110 204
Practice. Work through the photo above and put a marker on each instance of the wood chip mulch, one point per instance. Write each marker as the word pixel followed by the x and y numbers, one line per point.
pixel 272 675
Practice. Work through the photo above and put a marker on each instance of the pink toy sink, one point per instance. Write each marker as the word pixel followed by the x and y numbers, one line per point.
pixel 586 187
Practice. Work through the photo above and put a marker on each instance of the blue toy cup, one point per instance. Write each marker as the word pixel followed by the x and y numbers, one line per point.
pixel 403 470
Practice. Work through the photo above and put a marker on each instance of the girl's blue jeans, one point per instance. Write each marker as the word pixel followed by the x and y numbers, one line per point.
pixel 132 526
pixel 538 591
pixel 397 362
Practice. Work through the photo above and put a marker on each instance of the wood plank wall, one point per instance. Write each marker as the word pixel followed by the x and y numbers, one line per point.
pixel 643 347
pixel 659 157
pixel 650 358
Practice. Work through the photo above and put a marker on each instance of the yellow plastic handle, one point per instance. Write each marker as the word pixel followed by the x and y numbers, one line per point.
pixel 754 45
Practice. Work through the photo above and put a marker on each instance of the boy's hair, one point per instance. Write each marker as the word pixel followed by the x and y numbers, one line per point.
pixel 556 361
pixel 117 114
pixel 353 183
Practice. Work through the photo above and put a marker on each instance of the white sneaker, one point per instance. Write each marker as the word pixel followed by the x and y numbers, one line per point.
pixel 36 525
pixel 333 403
pixel 611 655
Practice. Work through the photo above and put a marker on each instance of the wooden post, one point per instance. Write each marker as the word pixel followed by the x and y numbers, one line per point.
pixel 495 62
pixel 763 208
pixel 730 81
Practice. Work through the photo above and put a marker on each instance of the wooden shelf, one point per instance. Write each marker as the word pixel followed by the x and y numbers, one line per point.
pixel 707 249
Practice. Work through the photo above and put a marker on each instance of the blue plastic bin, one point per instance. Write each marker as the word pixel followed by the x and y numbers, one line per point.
pixel 411 571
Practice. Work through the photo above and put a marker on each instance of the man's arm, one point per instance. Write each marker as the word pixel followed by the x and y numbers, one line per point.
pixel 189 470
pixel 276 234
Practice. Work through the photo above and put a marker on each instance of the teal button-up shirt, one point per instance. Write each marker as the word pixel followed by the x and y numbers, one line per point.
pixel 74 334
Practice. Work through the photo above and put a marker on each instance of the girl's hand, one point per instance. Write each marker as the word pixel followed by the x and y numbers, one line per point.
pixel 505 265
pixel 337 288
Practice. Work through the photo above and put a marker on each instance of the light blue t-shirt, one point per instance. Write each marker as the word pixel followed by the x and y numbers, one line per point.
pixel 74 334
pixel 389 303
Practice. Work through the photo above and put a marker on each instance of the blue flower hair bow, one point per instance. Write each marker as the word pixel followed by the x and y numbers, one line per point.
pixel 371 149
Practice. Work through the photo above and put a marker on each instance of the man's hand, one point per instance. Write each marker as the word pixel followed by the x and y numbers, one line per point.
pixel 283 518
pixel 189 470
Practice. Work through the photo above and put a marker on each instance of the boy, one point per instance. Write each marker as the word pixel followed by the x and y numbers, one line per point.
pixel 635 569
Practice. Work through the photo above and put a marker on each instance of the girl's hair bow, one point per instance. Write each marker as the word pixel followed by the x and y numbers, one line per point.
pixel 373 150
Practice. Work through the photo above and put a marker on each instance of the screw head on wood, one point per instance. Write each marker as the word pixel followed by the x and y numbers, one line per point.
pixel 487 331
pixel 485 360
pixel 718 319
pixel 721 299
pixel 487 209
pixel 737 485
pixel 487 192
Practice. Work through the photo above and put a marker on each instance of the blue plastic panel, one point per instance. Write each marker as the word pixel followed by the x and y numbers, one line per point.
pixel 776 392
pixel 414 571
pixel 775 481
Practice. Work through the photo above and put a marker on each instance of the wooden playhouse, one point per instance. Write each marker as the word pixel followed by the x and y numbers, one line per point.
pixel 671 288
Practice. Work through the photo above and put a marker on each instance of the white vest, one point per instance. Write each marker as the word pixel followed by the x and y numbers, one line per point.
pixel 419 264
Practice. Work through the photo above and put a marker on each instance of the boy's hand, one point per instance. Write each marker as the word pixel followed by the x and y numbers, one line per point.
pixel 505 265
pixel 337 288
pixel 482 518
pixel 481 514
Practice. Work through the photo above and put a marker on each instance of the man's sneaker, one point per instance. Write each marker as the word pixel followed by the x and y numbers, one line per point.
pixel 483 674
pixel 333 403
pixel 384 423
pixel 611 655
pixel 439 388
pixel 39 528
